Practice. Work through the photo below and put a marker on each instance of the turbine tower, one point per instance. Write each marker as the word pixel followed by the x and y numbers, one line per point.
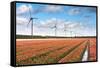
pixel 31 19
pixel 55 27
pixel 65 29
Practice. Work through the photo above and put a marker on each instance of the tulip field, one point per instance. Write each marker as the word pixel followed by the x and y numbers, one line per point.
pixel 54 50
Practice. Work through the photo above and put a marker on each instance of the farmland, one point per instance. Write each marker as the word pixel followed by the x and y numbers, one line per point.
pixel 92 53
pixel 54 50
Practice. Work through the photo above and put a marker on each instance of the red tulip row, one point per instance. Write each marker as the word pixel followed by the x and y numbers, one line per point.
pixel 92 50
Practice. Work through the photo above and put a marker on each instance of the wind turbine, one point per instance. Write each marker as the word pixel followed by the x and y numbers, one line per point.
pixel 55 27
pixel 65 28
pixel 75 34
pixel 31 20
pixel 71 32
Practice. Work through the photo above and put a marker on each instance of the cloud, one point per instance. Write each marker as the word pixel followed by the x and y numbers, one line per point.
pixel 87 16
pixel 53 8
pixel 23 8
pixel 74 11
pixel 21 20
pixel 50 23
pixel 90 9
pixel 78 10
pixel 60 24
pixel 73 25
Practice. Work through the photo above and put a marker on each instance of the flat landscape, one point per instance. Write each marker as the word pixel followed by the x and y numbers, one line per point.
pixel 54 50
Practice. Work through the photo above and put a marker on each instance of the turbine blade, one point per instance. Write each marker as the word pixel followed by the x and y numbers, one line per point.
pixel 29 10
pixel 29 22
pixel 30 13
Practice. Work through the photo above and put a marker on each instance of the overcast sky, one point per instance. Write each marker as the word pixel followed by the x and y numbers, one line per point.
pixel 69 20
